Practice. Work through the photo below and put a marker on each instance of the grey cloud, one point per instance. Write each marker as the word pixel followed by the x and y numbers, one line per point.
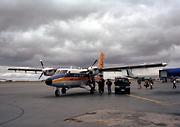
pixel 65 32
pixel 24 15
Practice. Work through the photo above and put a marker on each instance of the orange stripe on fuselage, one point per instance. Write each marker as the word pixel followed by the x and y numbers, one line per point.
pixel 69 79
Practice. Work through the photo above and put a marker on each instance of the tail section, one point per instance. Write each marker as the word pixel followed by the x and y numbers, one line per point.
pixel 101 60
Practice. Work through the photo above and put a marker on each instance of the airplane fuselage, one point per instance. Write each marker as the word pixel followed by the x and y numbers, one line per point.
pixel 67 80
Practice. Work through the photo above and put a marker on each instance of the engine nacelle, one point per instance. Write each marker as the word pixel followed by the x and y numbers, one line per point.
pixel 49 71
pixel 93 70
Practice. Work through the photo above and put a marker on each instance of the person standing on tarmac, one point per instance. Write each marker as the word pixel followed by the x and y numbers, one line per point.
pixel 146 83
pixel 109 84
pixel 151 83
pixel 139 83
pixel 174 84
pixel 101 86
pixel 93 83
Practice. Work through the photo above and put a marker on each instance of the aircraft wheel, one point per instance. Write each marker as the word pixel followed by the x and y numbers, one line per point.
pixel 63 90
pixel 57 93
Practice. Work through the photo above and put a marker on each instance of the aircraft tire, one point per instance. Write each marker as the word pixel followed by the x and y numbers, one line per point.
pixel 57 93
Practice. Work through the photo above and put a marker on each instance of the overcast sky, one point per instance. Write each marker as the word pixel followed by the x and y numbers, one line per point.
pixel 73 32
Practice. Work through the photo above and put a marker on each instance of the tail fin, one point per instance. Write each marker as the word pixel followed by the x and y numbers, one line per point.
pixel 101 60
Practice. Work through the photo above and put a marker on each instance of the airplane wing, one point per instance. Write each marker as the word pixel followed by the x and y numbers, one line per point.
pixel 131 75
pixel 25 69
pixel 44 71
pixel 109 69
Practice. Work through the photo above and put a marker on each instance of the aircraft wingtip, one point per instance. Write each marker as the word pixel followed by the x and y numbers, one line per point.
pixel 164 64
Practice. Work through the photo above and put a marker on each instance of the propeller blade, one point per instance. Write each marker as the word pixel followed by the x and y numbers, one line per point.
pixel 41 75
pixel 94 62
pixel 42 64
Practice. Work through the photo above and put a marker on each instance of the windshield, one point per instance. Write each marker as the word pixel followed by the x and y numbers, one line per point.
pixel 61 71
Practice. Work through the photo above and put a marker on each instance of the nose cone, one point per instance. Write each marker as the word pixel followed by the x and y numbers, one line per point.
pixel 48 81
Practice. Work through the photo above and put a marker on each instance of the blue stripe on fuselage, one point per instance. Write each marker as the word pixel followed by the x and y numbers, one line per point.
pixel 63 84
pixel 68 75
pixel 56 76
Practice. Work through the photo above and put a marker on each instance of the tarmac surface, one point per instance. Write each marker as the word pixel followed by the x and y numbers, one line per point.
pixel 33 104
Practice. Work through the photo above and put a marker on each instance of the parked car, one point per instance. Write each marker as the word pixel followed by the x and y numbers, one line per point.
pixel 122 85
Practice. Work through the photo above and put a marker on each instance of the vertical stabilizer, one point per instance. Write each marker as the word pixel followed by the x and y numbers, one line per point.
pixel 101 61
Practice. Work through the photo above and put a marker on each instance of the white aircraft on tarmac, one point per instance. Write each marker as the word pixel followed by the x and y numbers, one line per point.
pixel 65 78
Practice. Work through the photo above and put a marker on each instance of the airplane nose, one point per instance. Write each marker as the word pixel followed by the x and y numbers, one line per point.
pixel 48 81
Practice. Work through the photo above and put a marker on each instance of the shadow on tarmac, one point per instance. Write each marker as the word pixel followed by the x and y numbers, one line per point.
pixel 84 94
pixel 167 92
pixel 176 114
pixel 79 94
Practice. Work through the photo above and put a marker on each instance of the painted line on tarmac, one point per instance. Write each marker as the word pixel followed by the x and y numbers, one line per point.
pixel 147 99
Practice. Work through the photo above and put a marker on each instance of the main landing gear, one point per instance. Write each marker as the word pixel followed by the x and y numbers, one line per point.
pixel 57 91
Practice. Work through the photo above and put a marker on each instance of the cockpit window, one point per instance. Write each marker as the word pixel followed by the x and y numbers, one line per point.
pixel 61 71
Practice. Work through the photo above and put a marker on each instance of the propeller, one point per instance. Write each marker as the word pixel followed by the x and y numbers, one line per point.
pixel 41 75
pixel 42 67
pixel 42 63
pixel 90 69
pixel 94 62
pixel 47 71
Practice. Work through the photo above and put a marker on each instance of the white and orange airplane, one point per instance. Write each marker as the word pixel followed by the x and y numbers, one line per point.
pixel 65 78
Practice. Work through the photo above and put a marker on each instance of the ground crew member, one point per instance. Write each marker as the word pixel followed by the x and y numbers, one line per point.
pixel 151 83
pixel 174 84
pixel 91 83
pixel 109 84
pixel 139 83
pixel 146 83
pixel 101 86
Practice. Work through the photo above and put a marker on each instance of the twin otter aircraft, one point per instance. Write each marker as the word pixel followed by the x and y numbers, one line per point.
pixel 65 78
